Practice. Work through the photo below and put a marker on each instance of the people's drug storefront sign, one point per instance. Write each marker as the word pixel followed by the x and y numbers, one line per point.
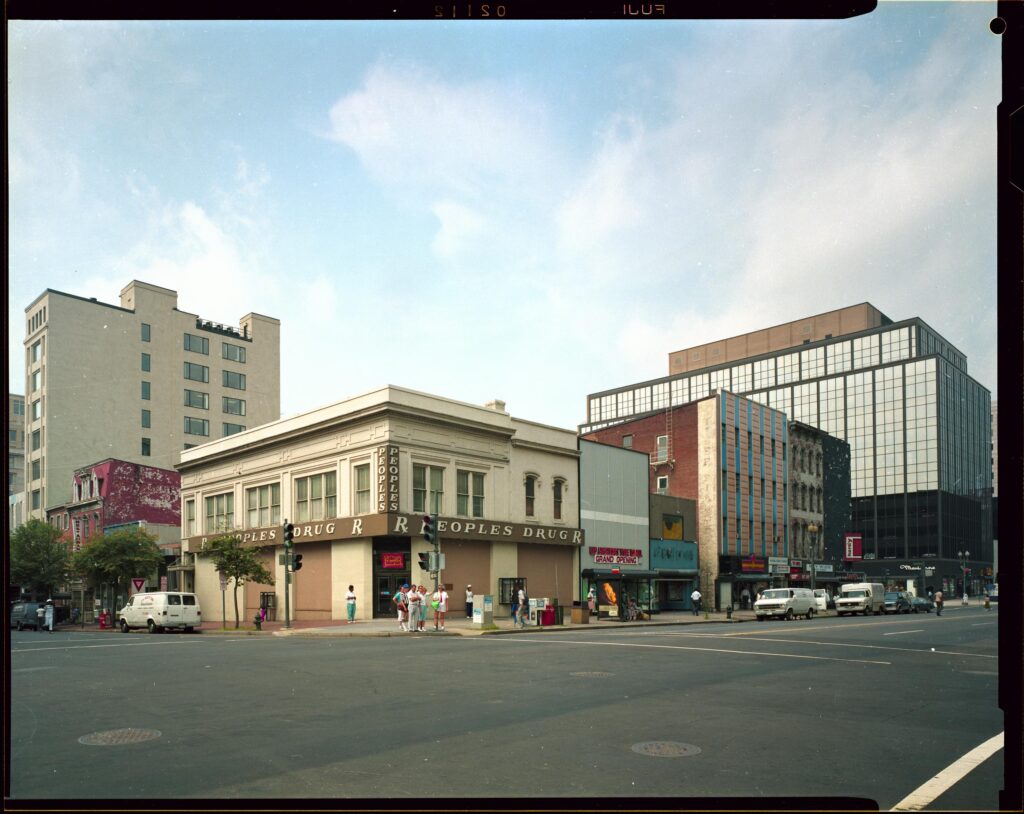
pixel 387 479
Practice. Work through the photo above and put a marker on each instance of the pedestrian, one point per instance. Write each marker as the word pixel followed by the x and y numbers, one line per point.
pixel 49 614
pixel 415 599
pixel 350 602
pixel 422 620
pixel 40 617
pixel 938 603
pixel 440 606
pixel 695 601
pixel 964 603
pixel 401 602
pixel 514 601
pixel 592 599
pixel 522 610
pixel 469 601
pixel 744 597
pixel 263 613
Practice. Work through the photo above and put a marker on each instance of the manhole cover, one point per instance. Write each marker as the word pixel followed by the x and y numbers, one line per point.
pixel 592 675
pixel 117 737
pixel 665 749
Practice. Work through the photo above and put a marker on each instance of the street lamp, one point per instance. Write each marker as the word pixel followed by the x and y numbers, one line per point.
pixel 812 529
pixel 964 556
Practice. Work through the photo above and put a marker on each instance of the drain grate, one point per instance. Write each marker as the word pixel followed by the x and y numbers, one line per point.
pixel 665 749
pixel 592 675
pixel 118 737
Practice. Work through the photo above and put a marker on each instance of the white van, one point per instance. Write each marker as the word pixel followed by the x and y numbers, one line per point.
pixel 822 599
pixel 861 597
pixel 785 603
pixel 160 610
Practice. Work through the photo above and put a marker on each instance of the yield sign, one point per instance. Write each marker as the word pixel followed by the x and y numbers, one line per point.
pixel 138 583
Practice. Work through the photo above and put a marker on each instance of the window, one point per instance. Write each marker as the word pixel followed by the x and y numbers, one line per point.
pixel 197 344
pixel 220 512
pixel 37 469
pixel 146 419
pixel 18 407
pixel 145 391
pixel 233 352
pixel 424 499
pixel 36 498
pixel 190 518
pixel 264 505
pixel 197 373
pixel 146 447
pixel 37 351
pixel 556 492
pixel 470 494
pixel 627 441
pixel 37 439
pixel 662 452
pixel 316 497
pixel 196 426
pixel 145 362
pixel 145 332
pixel 197 399
pixel 362 489
pixel 231 429
pixel 234 406
pixel 531 483
pixel 36 381
pixel 671 526
pixel 233 380
pixel 37 410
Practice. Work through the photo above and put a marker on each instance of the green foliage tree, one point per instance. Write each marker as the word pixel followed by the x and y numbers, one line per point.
pixel 39 558
pixel 115 558
pixel 239 564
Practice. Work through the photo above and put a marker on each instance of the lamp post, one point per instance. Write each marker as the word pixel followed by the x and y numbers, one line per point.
pixel 812 529
pixel 964 556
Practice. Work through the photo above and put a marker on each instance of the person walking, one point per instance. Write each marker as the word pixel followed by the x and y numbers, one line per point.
pixel 695 601
pixel 350 603
pixel 938 603
pixel 592 599
pixel 965 603
pixel 441 608
pixel 469 601
pixel 40 617
pixel 50 612
pixel 745 597
pixel 522 610
pixel 401 602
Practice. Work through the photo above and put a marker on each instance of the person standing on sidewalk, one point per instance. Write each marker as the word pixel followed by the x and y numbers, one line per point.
pixel 522 608
pixel 402 603
pixel 469 601
pixel 415 604
pixel 938 603
pixel 350 602
pixel 441 606
pixel 421 620
pixel 695 601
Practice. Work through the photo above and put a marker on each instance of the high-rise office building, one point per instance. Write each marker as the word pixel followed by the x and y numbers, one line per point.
pixel 919 428
pixel 15 444
pixel 140 382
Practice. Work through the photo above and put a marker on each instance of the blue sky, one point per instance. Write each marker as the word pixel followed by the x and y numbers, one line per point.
pixel 530 211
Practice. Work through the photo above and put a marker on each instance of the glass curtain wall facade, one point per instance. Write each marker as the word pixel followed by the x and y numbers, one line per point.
pixel 919 429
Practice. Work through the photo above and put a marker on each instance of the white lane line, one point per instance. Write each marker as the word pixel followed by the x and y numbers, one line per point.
pixel 53 648
pixel 546 640
pixel 982 624
pixel 948 777
pixel 901 632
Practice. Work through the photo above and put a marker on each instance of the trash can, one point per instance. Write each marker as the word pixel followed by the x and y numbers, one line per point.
pixel 580 615
pixel 547 616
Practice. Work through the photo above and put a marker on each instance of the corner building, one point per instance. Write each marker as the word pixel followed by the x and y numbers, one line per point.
pixel 918 426
pixel 356 478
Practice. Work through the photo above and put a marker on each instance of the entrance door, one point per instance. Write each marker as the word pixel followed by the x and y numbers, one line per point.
pixel 387 586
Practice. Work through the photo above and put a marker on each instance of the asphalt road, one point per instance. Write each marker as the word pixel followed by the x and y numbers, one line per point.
pixel 867 708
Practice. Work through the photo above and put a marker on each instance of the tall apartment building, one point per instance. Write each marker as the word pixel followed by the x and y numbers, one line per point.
pixel 15 444
pixel 919 427
pixel 139 382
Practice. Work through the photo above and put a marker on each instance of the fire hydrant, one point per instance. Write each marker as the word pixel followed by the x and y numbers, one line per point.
pixel 258 621
pixel 104 620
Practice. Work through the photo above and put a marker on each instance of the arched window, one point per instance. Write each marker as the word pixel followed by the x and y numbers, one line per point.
pixel 531 492
pixel 557 490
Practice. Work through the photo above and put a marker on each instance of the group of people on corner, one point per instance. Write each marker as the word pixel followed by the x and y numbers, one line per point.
pixel 411 603
pixel 46 616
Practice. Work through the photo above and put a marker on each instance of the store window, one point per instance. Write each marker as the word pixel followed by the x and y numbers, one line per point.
pixel 264 505
pixel 427 488
pixel 220 513
pixel 531 488
pixel 362 481
pixel 316 497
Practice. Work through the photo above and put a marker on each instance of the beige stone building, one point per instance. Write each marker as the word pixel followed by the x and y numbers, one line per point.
pixel 356 479
pixel 139 381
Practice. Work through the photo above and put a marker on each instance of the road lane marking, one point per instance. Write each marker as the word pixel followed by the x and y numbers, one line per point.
pixel 31 669
pixel 927 793
pixel 901 632
pixel 546 640
pixel 982 624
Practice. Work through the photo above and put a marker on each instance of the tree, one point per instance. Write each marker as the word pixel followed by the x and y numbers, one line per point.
pixel 39 558
pixel 236 563
pixel 115 558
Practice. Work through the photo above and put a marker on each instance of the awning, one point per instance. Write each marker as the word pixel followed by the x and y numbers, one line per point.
pixel 181 568
pixel 607 574
pixel 666 575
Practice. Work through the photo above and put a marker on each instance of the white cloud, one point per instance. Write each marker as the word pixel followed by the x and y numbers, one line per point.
pixel 460 226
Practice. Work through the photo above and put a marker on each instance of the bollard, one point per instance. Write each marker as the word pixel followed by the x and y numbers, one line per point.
pixel 728 612
pixel 258 621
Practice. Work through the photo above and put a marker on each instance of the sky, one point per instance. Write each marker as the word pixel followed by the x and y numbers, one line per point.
pixel 529 211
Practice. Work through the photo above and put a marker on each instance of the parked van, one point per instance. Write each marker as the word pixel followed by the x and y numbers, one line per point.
pixel 160 610
pixel 785 603
pixel 23 615
pixel 861 597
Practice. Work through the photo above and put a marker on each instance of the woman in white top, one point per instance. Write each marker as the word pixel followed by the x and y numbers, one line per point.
pixel 350 601
pixel 441 598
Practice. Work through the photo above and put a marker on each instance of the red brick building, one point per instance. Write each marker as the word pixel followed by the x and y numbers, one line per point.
pixel 729 454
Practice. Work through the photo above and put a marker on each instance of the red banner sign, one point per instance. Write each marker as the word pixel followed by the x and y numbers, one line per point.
pixel 393 559
pixel 853 547
pixel 754 564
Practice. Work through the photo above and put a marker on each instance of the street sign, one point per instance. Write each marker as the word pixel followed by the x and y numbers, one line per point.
pixel 138 583
pixel 223 582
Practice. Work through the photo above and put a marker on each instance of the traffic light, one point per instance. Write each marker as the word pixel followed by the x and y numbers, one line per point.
pixel 289 532
pixel 430 529
pixel 424 557
pixel 296 562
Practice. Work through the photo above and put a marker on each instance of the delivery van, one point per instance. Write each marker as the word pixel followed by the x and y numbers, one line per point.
pixel 785 603
pixel 861 597
pixel 160 610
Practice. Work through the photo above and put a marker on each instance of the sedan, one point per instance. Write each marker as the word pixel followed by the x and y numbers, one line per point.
pixel 921 603
pixel 897 602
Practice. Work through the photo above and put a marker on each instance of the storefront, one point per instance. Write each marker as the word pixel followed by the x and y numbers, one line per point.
pixel 736 574
pixel 616 588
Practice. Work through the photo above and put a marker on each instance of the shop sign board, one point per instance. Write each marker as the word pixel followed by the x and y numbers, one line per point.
pixel 393 560
pixel 853 547
pixel 759 564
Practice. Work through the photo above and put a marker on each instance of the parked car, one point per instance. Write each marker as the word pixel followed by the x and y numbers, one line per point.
pixel 23 615
pixel 897 602
pixel 921 603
